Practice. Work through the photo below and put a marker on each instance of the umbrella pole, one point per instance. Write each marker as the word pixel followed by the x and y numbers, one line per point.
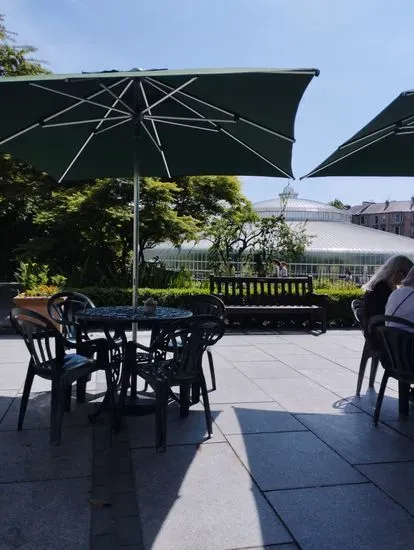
pixel 135 264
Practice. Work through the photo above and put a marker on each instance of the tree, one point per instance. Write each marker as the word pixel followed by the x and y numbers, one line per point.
pixel 339 204
pixel 22 189
pixel 240 237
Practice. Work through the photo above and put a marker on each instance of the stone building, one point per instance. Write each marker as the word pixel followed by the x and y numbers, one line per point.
pixel 393 216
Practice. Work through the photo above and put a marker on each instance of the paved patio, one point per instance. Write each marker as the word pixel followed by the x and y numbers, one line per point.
pixel 294 462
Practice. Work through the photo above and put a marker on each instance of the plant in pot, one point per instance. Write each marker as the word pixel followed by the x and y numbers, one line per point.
pixel 37 285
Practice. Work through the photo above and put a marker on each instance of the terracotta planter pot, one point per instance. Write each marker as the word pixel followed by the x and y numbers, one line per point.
pixel 34 303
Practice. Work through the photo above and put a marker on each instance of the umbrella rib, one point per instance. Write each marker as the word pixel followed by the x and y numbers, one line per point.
pixel 154 141
pixel 112 126
pixel 71 96
pixel 173 91
pixel 347 155
pixel 188 119
pixel 113 94
pixel 58 113
pixel 157 137
pixel 405 121
pixel 220 129
pixel 77 122
pixel 224 111
pixel 92 134
pixel 241 142
pixel 193 126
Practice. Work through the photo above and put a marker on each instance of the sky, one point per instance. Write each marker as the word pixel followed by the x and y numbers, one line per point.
pixel 363 49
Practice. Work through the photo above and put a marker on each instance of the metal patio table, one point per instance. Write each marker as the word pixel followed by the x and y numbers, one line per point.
pixel 109 316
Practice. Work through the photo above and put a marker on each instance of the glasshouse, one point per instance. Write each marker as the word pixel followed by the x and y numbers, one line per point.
pixel 336 246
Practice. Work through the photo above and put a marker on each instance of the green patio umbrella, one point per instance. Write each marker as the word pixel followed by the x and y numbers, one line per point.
pixel 153 123
pixel 384 147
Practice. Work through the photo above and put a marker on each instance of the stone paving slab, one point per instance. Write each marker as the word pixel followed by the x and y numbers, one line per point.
pixel 27 455
pixel 305 396
pixel 355 438
pixel 47 515
pixel 180 431
pixel 198 498
pixel 244 418
pixel 349 516
pixel 234 387
pixel 291 460
pixel 266 369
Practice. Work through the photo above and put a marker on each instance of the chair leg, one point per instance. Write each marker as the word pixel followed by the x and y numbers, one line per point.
pixel 134 385
pixel 110 395
pixel 403 398
pixel 25 397
pixel 374 368
pixel 56 413
pixel 212 372
pixel 184 400
pixel 81 389
pixel 125 378
pixel 380 397
pixel 68 398
pixel 363 363
pixel 207 410
pixel 161 416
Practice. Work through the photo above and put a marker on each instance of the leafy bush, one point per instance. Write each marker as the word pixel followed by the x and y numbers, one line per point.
pixel 339 313
pixel 156 275
pixel 123 296
pixel 35 279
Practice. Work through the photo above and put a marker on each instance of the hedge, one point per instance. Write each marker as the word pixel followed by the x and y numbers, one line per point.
pixel 339 312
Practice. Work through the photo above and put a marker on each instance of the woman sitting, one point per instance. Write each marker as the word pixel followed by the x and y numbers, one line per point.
pixel 383 282
pixel 401 301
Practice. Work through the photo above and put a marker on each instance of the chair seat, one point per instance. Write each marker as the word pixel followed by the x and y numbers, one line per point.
pixel 72 361
pixel 160 371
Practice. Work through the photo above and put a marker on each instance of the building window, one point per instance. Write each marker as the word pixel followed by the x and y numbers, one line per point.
pixel 362 220
pixel 376 220
pixel 397 230
pixel 398 218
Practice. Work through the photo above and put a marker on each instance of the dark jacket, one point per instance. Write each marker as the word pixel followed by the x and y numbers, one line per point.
pixel 376 299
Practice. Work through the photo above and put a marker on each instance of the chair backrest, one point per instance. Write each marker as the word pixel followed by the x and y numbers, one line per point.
pixel 63 308
pixel 205 305
pixel 358 309
pixel 42 339
pixel 396 345
pixel 196 334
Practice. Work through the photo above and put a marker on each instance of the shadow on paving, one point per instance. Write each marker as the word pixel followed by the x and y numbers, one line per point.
pixel 287 476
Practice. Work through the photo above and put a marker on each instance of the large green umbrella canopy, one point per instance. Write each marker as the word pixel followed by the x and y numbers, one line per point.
pixel 153 123
pixel 384 147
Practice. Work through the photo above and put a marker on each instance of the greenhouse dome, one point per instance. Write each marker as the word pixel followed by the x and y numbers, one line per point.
pixel 335 244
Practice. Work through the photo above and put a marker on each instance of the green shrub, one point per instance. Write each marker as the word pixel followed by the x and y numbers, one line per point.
pixel 123 296
pixel 339 313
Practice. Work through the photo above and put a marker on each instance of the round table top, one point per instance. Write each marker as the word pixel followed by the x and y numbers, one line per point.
pixel 125 314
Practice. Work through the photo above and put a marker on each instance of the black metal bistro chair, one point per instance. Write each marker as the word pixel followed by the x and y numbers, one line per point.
pixel 369 351
pixel 63 308
pixel 396 352
pixel 207 305
pixel 171 366
pixel 49 359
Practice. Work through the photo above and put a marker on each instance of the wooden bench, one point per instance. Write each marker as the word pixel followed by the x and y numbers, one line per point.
pixel 270 298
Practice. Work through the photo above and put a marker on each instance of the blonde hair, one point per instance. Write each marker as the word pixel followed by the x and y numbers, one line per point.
pixel 394 269
pixel 409 279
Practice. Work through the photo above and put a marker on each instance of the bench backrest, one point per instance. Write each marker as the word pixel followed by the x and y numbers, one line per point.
pixel 262 290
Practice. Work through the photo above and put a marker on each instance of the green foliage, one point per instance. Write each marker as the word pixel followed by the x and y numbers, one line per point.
pixel 36 280
pixel 157 276
pixel 14 60
pixel 339 311
pixel 338 204
pixel 123 296
pixel 240 237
